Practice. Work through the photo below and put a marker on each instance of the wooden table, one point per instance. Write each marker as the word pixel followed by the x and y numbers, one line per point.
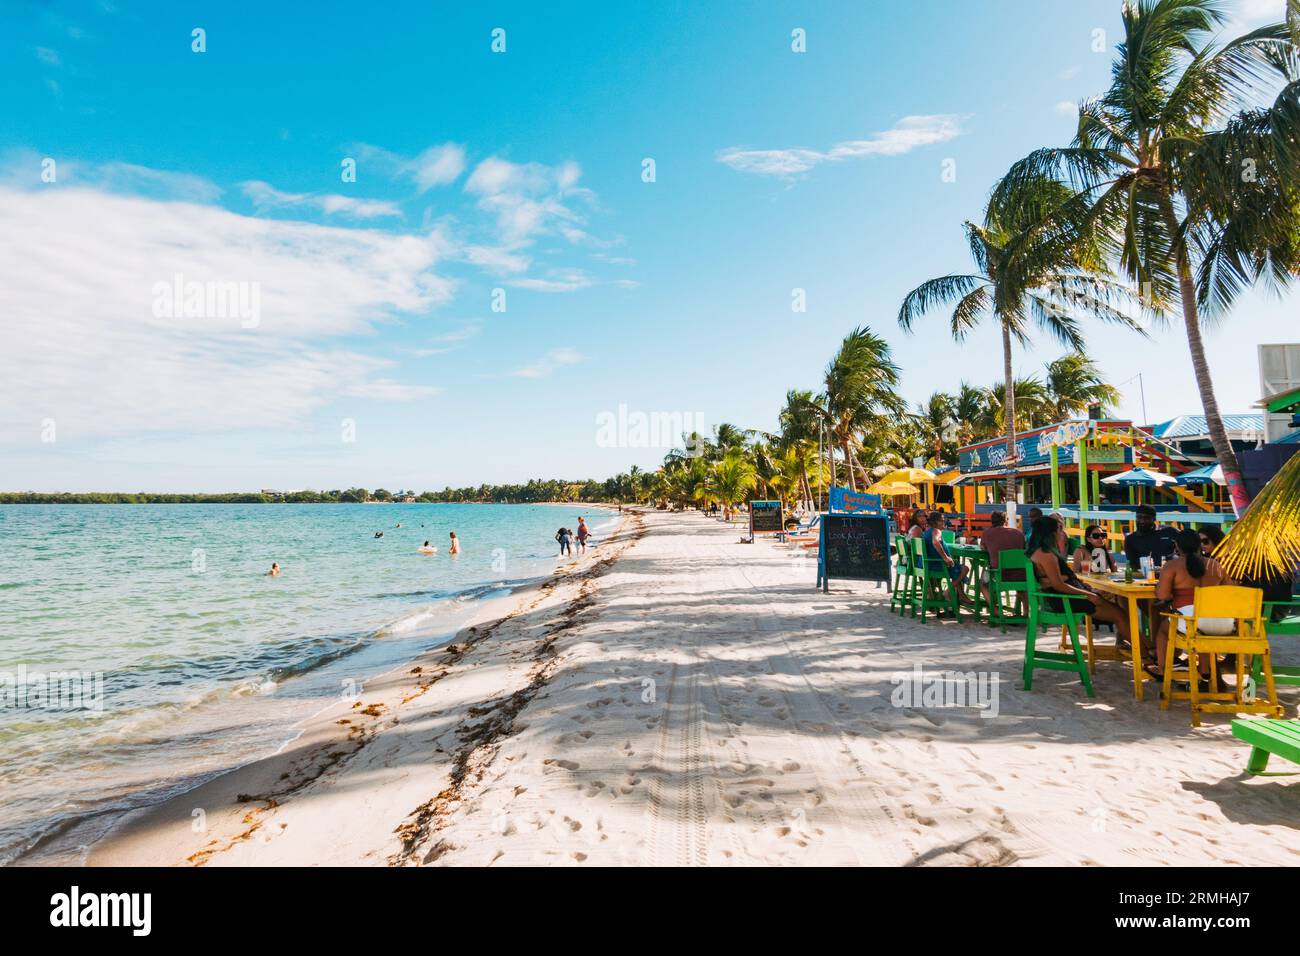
pixel 1131 593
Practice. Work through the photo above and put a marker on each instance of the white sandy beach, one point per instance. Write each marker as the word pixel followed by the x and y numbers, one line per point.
pixel 677 698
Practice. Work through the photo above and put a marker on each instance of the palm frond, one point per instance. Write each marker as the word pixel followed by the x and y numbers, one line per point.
pixel 935 292
pixel 1265 543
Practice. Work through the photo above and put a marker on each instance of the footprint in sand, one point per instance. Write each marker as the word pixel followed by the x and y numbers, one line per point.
pixel 566 764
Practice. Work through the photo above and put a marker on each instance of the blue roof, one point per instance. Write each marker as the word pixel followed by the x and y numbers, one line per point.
pixel 1290 438
pixel 1185 426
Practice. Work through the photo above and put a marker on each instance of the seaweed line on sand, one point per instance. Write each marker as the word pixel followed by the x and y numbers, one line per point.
pixel 481 740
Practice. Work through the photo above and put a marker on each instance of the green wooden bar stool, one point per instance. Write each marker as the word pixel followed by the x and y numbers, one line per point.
pixel 926 576
pixel 904 577
pixel 1287 626
pixel 1039 615
pixel 999 586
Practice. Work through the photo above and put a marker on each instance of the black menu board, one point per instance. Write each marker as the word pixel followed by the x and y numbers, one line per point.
pixel 854 548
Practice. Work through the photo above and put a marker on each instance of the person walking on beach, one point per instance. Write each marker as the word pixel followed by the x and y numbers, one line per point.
pixel 455 544
pixel 583 534
pixel 562 536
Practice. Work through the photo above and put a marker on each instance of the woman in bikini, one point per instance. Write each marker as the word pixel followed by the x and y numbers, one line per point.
pixel 1055 576
pixel 1180 576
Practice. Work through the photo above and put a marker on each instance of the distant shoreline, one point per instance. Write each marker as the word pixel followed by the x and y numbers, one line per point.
pixel 127 498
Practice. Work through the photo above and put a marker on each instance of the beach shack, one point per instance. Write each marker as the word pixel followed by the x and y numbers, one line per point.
pixel 1054 465
pixel 1065 468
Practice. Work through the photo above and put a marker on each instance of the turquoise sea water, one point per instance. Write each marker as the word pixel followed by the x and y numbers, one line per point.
pixel 181 658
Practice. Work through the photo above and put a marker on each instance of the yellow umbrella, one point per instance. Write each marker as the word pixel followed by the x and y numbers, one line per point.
pixel 891 488
pixel 919 475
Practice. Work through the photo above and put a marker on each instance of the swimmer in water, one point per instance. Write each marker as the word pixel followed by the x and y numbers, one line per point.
pixel 455 544
pixel 275 570
pixel 426 549
pixel 379 534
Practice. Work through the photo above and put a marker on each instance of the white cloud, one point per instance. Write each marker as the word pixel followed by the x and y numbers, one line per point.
pixel 497 259
pixel 264 197
pixel 1066 108
pixel 529 199
pixel 556 280
pixel 130 179
pixel 909 133
pixel 47 56
pixel 79 274
pixel 436 166
pixel 1262 11
pixel 547 364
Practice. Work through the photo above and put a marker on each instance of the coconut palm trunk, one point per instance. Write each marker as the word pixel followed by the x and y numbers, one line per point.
pixel 1223 449
pixel 1009 409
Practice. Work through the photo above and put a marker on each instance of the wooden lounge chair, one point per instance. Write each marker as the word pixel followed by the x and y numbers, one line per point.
pixel 1281 737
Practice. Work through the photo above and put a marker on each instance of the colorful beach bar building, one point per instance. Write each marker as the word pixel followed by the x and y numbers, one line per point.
pixel 1062 465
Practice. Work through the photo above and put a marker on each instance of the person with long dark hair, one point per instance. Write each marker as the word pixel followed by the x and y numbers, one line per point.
pixel 1211 538
pixel 916 527
pixel 1180 576
pixel 1094 554
pixel 1055 576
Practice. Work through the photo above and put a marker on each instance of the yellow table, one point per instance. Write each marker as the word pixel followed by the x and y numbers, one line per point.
pixel 1139 590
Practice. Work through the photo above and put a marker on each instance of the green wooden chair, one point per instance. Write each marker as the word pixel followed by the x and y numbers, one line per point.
pixel 1287 625
pixel 928 578
pixel 999 586
pixel 1041 615
pixel 904 577
pixel 949 537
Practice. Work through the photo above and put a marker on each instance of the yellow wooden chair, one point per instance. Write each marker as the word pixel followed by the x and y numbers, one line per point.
pixel 1245 606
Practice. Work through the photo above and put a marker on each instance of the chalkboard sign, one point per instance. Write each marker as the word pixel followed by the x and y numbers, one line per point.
pixel 765 517
pixel 854 548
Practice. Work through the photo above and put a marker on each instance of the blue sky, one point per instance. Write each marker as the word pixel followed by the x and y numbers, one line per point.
pixel 520 171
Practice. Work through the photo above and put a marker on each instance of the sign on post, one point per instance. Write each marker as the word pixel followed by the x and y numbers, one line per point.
pixel 853 547
pixel 853 502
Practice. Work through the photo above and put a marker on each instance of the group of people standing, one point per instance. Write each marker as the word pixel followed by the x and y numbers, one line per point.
pixel 566 535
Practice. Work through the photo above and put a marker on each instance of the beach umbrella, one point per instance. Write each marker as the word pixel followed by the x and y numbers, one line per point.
pixel 1140 476
pixel 909 475
pixel 1203 476
pixel 892 488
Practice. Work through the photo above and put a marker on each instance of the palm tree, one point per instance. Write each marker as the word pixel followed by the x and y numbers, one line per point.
pixel 970 412
pixel 1028 276
pixel 1182 174
pixel 861 387
pixel 937 424
pixel 1031 404
pixel 1074 383
pixel 800 420
pixel 730 479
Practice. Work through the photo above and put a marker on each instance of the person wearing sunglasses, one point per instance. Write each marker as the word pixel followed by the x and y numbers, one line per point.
pixel 1211 535
pixel 1093 555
